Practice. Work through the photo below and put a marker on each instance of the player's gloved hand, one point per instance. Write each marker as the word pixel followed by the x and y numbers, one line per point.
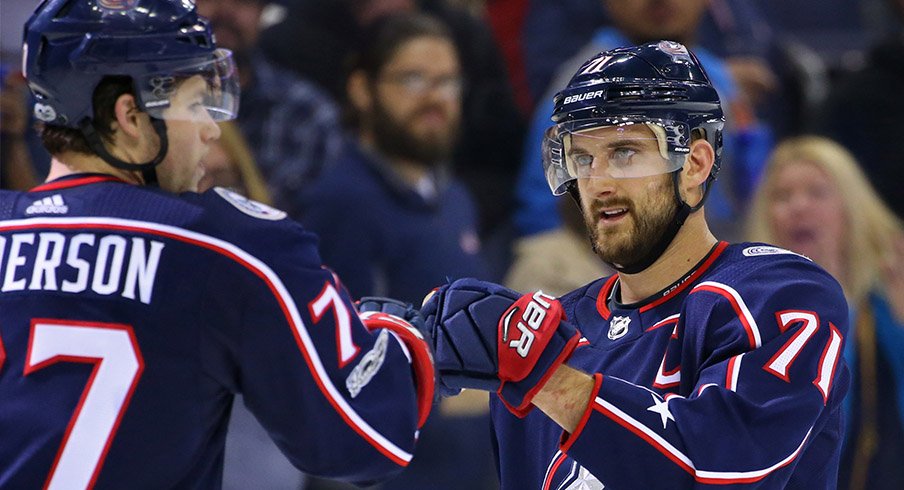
pixel 491 338
pixel 406 323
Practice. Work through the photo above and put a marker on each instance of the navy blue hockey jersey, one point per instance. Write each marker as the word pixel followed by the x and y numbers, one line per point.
pixel 733 377
pixel 129 317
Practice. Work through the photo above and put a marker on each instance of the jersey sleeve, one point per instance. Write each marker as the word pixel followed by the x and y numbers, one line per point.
pixel 338 399
pixel 762 382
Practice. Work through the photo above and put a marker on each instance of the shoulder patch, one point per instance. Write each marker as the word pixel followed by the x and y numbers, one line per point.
pixel 249 207
pixel 766 250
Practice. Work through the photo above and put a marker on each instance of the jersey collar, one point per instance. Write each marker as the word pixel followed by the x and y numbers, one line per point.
pixel 75 180
pixel 606 301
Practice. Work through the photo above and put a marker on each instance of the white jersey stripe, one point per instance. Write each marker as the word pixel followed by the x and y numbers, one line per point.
pixel 734 372
pixel 664 321
pixel 305 344
pixel 569 476
pixel 670 451
pixel 549 467
pixel 737 304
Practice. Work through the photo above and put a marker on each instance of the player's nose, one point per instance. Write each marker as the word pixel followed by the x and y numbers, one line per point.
pixel 211 131
pixel 599 185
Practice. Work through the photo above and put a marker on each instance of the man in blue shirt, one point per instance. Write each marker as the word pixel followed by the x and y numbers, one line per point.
pixel 392 220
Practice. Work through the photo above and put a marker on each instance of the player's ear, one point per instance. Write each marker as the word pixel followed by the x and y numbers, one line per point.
pixel 696 170
pixel 127 115
pixel 359 91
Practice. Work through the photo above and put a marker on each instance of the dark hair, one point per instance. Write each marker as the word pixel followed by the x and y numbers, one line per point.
pixel 58 139
pixel 381 39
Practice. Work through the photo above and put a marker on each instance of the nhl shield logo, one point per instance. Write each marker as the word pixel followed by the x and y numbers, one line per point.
pixel 618 327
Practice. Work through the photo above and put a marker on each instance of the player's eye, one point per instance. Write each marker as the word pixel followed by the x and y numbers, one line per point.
pixel 622 156
pixel 582 160
pixel 196 106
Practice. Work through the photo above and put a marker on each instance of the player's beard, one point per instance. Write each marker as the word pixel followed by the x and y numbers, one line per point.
pixel 395 139
pixel 627 245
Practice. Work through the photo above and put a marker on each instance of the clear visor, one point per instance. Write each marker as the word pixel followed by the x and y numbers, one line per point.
pixel 197 92
pixel 616 149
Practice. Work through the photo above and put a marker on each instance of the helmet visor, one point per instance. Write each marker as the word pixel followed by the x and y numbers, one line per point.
pixel 618 148
pixel 196 92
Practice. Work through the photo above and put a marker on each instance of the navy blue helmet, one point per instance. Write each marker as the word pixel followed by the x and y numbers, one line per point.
pixel 660 84
pixel 69 46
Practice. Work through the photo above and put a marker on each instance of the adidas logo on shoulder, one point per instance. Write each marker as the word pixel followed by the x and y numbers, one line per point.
pixel 48 205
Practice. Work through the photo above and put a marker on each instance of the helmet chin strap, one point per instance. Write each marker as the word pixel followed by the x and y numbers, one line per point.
pixel 682 211
pixel 147 169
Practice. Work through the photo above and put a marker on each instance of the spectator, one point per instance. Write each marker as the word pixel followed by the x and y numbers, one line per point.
pixel 292 127
pixel 392 220
pixel 633 23
pixel 316 39
pixel 815 200
pixel 865 113
pixel 393 179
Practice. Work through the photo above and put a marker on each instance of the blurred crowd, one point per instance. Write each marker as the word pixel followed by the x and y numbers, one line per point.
pixel 407 133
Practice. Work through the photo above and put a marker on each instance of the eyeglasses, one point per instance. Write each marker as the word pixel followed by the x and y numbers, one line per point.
pixel 418 84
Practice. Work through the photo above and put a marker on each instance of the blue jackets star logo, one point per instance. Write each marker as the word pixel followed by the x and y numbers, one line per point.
pixel 662 408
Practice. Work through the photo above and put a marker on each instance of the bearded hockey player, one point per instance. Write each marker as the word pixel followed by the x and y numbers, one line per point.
pixel 699 363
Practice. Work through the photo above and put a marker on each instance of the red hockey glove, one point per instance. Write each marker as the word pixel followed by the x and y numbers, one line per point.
pixel 492 338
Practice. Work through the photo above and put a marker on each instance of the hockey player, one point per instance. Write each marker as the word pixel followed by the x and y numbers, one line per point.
pixel 698 363
pixel 129 316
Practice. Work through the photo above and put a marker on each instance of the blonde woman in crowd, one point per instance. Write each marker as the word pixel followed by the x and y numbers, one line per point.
pixel 815 200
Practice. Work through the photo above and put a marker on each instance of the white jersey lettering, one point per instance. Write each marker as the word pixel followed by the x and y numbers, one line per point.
pixel 107 265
